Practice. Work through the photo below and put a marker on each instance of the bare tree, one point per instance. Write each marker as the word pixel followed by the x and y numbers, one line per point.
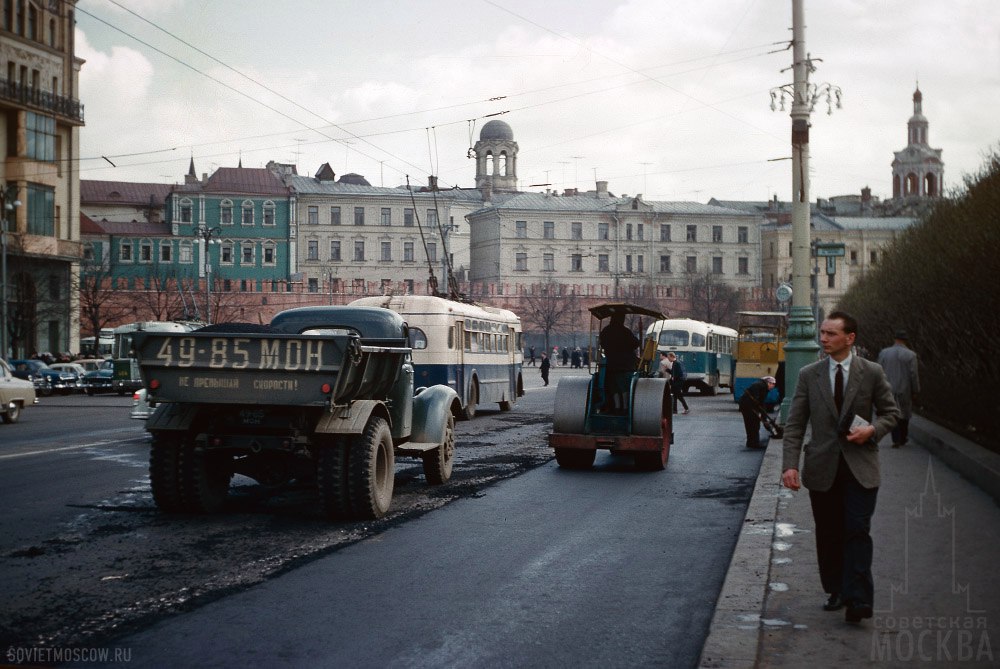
pixel 100 305
pixel 550 307
pixel 712 300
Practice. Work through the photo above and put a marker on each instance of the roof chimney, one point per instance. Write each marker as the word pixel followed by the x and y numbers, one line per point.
pixel 432 182
pixel 602 189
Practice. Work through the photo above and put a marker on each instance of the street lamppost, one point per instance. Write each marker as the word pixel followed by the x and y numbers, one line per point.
pixel 801 348
pixel 8 203
pixel 208 234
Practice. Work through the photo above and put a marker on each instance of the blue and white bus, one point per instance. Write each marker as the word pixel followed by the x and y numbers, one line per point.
pixel 477 350
pixel 705 350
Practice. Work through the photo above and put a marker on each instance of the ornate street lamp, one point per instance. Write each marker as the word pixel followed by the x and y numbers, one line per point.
pixel 8 203
pixel 209 236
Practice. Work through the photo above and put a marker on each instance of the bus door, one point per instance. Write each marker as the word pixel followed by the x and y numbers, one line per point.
pixel 461 348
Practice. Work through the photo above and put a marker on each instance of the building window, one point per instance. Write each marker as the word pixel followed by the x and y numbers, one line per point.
pixel 186 211
pixel 386 216
pixel 742 235
pixel 166 252
pixel 335 249
pixel 359 251
pixel 602 262
pixel 386 251
pixel 432 252
pixel 313 285
pixel 521 229
pixel 268 213
pixel 358 286
pixel 640 265
pixel 334 215
pixel 602 231
pixel 312 249
pixel 145 251
pixel 628 232
pixel 692 233
pixel 664 232
pixel 432 218
pixel 41 210
pixel 40 133
pixel 226 212
pixel 268 254
pixel 743 265
pixel 548 262
pixel 789 249
pixel 874 257
pixel 665 264
pixel 717 234
pixel 549 230
pixel 408 218
pixel 716 264
pixel 312 217
pixel 640 232
pixel 576 230
pixel 407 251
pixel 692 264
pixel 831 281
pixel 226 253
pixel 246 253
pixel 247 212
pixel 125 251
pixel 521 262
pixel 186 255
pixel 386 286
pixel 628 263
pixel 359 216
pixel 55 287
pixel 854 257
pixel 576 262
pixel 409 286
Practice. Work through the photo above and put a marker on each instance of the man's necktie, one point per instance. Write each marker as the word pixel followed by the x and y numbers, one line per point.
pixel 838 388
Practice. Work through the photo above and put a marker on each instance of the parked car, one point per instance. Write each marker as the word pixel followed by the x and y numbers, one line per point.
pixel 34 371
pixel 74 368
pixel 90 364
pixel 99 381
pixel 15 394
pixel 140 405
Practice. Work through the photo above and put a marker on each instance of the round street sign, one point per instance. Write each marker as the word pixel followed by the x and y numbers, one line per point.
pixel 783 292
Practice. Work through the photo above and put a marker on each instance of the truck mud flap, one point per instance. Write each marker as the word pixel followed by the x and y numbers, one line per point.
pixel 430 413
pixel 173 417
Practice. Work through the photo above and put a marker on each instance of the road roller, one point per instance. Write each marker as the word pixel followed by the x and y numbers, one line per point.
pixel 639 422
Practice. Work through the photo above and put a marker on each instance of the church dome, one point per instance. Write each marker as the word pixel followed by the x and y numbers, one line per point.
pixel 496 130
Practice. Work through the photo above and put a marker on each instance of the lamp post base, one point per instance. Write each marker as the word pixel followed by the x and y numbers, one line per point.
pixel 800 351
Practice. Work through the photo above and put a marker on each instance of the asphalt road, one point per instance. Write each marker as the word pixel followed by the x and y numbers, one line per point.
pixel 513 562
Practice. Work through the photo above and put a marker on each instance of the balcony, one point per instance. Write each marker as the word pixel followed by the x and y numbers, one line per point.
pixel 37 100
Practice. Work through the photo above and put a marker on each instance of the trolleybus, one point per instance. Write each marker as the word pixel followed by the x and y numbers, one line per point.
pixel 705 350
pixel 475 349
pixel 760 348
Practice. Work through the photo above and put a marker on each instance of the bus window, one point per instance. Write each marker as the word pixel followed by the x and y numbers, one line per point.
pixel 674 338
pixel 418 340
pixel 697 340
pixel 451 337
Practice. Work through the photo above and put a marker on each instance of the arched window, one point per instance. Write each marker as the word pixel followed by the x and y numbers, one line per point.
pixel 185 254
pixel 269 213
pixel 502 167
pixel 226 212
pixel 145 250
pixel 247 212
pixel 489 162
pixel 912 184
pixel 186 210
pixel 930 185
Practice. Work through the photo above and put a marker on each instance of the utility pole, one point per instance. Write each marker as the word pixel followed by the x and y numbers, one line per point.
pixel 8 203
pixel 801 348
pixel 207 234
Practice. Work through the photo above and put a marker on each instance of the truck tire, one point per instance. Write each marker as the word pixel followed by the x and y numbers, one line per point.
pixel 204 479
pixel 331 479
pixel 371 470
pixel 13 413
pixel 470 407
pixel 438 462
pixel 164 476
pixel 576 458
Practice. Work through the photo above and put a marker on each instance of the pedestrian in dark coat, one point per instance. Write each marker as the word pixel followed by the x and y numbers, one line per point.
pixel 544 369
pixel 531 354
pixel 751 403
pixel 565 356
pixel 678 379
pixel 900 365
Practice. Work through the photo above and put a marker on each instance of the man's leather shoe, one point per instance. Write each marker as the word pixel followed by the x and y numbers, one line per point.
pixel 835 603
pixel 855 613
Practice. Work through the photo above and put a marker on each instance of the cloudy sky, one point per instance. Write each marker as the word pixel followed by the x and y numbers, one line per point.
pixel 669 98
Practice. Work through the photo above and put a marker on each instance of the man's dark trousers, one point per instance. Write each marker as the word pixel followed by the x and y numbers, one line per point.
pixel 843 541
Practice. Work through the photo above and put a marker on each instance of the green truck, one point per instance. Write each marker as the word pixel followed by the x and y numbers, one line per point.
pixel 322 395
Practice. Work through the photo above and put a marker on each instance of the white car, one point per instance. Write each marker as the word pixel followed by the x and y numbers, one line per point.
pixel 140 407
pixel 15 394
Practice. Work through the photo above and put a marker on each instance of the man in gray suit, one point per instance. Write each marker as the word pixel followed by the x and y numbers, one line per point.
pixel 900 365
pixel 841 467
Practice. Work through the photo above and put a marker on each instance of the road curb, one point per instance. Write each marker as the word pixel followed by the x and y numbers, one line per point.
pixel 972 461
pixel 734 635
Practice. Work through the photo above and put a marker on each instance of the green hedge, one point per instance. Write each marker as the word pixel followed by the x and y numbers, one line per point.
pixel 940 281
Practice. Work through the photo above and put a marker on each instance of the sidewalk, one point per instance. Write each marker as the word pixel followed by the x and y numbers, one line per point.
pixel 937 581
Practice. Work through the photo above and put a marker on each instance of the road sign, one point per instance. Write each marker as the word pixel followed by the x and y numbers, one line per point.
pixel 827 250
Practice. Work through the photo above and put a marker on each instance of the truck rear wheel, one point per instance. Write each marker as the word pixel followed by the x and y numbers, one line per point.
pixel 438 462
pixel 371 470
pixel 331 480
pixel 204 479
pixel 164 476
